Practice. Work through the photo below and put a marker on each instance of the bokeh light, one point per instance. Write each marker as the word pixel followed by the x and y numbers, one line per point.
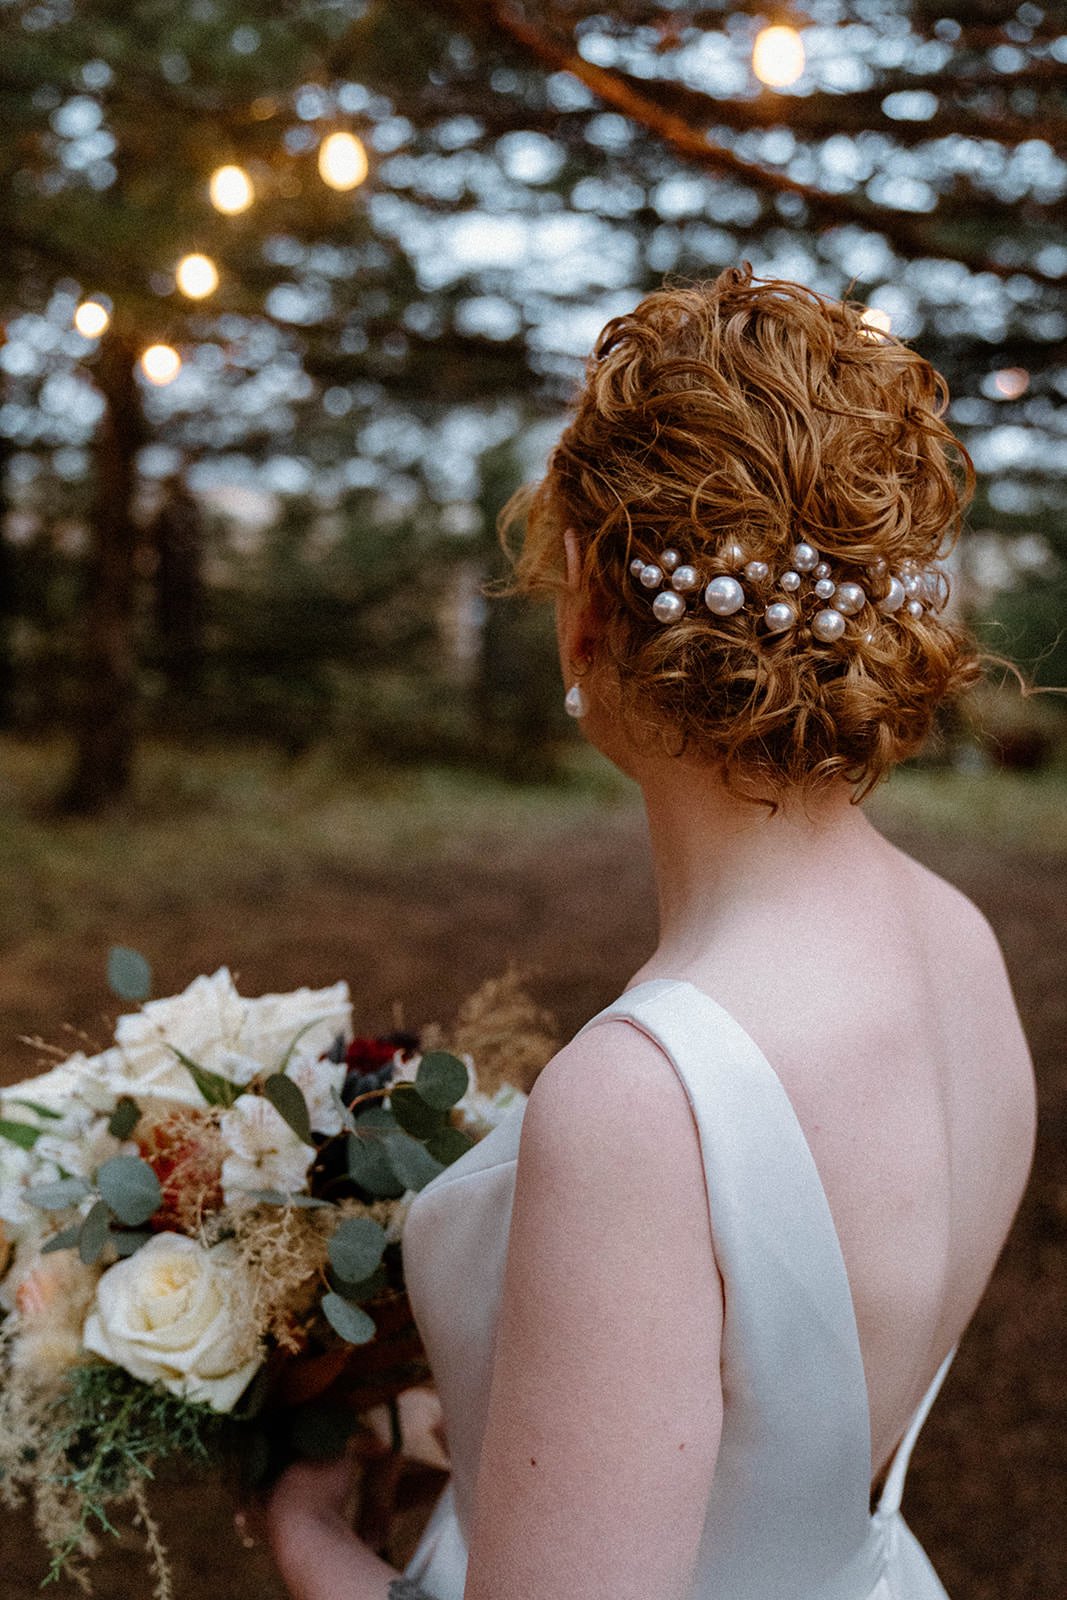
pixel 231 190
pixel 92 319
pixel 1011 383
pixel 342 161
pixel 161 364
pixel 197 276
pixel 778 56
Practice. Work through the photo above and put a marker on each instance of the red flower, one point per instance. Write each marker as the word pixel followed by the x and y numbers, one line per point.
pixel 366 1055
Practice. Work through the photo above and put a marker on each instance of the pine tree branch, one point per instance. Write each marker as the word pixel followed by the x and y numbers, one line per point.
pixel 820 114
pixel 910 238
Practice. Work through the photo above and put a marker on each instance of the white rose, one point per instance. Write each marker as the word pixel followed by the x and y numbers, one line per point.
pixel 273 1022
pixel 175 1313
pixel 204 1022
pixel 222 1032
pixel 264 1152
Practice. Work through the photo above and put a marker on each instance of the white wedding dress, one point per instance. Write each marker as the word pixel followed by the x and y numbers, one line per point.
pixel 788 1513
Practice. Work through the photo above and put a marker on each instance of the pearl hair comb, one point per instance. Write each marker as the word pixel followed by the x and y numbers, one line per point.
pixel 782 599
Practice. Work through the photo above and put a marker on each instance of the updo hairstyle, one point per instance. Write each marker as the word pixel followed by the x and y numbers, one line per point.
pixel 759 414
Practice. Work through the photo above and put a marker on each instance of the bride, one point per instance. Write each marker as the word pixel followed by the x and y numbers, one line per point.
pixel 688 1307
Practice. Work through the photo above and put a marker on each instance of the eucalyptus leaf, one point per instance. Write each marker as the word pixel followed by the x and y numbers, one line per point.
pixel 125 1117
pixel 370 1167
pixel 354 1325
pixel 63 1241
pixel 130 1188
pixel 128 973
pixel 356 1248
pixel 19 1133
pixel 348 1121
pixel 366 1289
pixel 411 1161
pixel 288 1101
pixel 413 1113
pixel 376 1116
pixel 216 1090
pixel 448 1144
pixel 93 1235
pixel 59 1195
pixel 128 1244
pixel 442 1079
pixel 277 1197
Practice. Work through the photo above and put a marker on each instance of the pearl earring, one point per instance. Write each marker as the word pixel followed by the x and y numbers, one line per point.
pixel 574 702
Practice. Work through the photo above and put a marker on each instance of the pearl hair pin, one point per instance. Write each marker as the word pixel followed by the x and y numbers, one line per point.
pixel 675 582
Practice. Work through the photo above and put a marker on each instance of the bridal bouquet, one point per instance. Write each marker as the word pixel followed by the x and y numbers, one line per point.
pixel 200 1235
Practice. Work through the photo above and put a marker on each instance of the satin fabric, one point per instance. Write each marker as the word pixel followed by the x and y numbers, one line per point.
pixel 788 1510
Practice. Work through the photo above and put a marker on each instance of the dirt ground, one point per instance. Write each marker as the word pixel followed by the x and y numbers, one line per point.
pixel 988 1482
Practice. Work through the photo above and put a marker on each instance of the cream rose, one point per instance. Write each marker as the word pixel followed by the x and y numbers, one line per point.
pixel 174 1313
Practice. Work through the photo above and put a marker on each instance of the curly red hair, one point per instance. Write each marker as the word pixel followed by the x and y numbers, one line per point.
pixel 763 413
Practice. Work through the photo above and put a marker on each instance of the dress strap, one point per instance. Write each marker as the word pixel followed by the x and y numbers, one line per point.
pixel 893 1489
pixel 792 1369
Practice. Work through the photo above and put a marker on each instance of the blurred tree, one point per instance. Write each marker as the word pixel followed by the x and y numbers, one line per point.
pixel 176 537
pixel 531 171
pixel 108 698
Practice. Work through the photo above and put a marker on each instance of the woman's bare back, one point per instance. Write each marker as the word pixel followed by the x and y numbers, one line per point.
pixel 889 1018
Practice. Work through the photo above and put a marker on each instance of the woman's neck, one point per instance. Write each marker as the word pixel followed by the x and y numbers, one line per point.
pixel 723 865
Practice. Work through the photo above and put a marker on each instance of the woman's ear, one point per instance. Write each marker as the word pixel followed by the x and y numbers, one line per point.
pixel 574 560
pixel 577 627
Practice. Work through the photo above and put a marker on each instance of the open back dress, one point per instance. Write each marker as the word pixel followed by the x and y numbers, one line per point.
pixel 788 1515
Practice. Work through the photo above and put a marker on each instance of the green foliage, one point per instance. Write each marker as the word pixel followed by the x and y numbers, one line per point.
pixel 110 1432
pixel 93 1233
pixel 413 1113
pixel 216 1090
pixel 128 973
pixel 356 1248
pixel 448 1144
pixel 20 1133
pixel 131 1189
pixel 288 1100
pixel 57 1196
pixel 353 1325
pixel 124 1118
pixel 410 1160
pixel 442 1079
pixel 369 1165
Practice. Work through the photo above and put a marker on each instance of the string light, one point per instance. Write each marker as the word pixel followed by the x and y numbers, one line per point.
pixel 778 56
pixel 1011 383
pixel 231 190
pixel 342 161
pixel 197 276
pixel 92 319
pixel 161 364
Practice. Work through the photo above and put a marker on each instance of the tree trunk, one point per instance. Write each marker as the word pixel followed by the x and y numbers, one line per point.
pixel 177 535
pixel 8 600
pixel 103 765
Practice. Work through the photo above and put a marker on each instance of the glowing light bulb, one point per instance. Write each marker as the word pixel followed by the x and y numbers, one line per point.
pixel 197 276
pixel 231 190
pixel 92 319
pixel 342 161
pixel 778 56
pixel 161 364
pixel 1011 382
pixel 876 320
